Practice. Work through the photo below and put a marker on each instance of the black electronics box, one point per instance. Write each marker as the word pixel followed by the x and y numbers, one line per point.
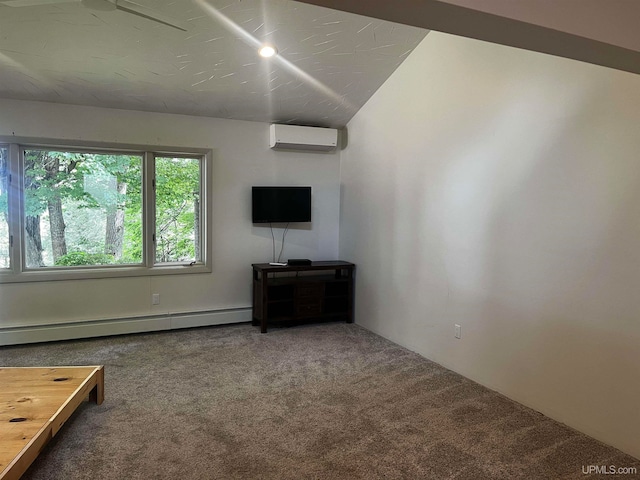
pixel 298 261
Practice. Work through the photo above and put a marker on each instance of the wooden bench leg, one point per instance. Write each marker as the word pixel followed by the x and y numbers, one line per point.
pixel 97 393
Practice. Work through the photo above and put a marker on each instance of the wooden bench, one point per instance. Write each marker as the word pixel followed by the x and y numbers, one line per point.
pixel 34 404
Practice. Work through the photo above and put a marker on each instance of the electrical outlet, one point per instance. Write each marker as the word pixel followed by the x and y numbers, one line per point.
pixel 155 299
pixel 458 331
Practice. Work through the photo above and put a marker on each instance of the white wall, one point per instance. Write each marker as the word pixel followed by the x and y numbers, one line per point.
pixel 499 189
pixel 241 159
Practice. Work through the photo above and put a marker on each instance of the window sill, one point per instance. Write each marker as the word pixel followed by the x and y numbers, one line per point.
pixel 53 274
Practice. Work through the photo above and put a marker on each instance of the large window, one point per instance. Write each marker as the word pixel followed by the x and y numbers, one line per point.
pixel 82 208
pixel 91 213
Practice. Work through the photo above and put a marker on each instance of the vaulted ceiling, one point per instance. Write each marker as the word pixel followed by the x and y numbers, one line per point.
pixel 201 57
pixel 328 64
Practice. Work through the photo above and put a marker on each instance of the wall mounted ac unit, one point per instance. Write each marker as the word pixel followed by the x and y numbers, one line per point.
pixel 295 137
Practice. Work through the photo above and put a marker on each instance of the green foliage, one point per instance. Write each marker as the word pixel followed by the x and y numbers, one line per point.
pixel 86 184
pixel 177 196
pixel 132 247
pixel 50 175
pixel 83 258
pixel 93 188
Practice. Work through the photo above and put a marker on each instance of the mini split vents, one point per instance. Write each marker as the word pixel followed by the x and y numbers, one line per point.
pixel 294 137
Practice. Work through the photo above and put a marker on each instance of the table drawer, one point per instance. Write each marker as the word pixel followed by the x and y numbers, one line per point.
pixel 315 290
pixel 309 310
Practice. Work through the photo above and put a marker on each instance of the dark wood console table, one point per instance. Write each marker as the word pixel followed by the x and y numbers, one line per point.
pixel 292 294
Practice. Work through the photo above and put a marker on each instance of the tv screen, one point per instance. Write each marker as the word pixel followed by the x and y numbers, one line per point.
pixel 281 204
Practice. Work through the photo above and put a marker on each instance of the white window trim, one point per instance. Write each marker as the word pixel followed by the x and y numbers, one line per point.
pixel 19 273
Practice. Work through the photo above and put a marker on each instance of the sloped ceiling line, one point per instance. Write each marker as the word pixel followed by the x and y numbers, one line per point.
pixel 530 32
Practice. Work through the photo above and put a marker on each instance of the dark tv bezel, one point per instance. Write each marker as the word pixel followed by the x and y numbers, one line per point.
pixel 279 219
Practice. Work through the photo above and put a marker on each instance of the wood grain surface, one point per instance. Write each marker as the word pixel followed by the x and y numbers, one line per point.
pixel 34 404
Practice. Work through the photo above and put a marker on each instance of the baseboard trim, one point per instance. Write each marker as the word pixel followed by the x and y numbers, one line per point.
pixel 121 326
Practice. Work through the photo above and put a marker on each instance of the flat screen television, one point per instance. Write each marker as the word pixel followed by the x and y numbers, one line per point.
pixel 280 204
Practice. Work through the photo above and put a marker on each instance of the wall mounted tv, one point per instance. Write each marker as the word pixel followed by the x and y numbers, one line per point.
pixel 280 204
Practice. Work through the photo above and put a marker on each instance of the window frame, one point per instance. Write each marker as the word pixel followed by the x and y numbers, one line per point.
pixel 18 272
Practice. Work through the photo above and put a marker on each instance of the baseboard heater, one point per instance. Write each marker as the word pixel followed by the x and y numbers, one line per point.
pixel 120 326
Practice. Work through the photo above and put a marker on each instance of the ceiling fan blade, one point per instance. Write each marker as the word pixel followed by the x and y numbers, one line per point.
pixel 148 13
pixel 34 3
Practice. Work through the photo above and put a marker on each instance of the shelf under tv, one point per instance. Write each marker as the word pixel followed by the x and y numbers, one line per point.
pixel 296 294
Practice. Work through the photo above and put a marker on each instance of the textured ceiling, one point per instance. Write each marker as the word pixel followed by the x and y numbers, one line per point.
pixel 329 62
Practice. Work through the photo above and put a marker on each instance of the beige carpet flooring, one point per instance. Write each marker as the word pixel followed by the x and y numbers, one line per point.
pixel 329 401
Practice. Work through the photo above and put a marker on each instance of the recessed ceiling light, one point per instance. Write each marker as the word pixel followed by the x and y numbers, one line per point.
pixel 267 51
